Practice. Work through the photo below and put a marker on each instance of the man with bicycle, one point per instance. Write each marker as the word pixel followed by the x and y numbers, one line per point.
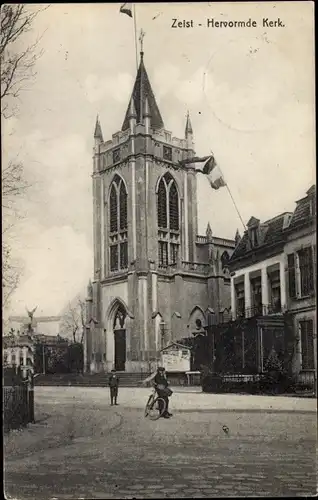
pixel 161 384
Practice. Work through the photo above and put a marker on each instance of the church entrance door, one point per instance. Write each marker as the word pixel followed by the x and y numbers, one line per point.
pixel 120 349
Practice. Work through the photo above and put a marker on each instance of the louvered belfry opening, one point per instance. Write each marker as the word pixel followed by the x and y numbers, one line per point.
pixel 168 221
pixel 118 224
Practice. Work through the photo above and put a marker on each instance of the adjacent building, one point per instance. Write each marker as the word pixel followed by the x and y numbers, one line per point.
pixel 155 278
pixel 18 352
pixel 273 269
pixel 300 251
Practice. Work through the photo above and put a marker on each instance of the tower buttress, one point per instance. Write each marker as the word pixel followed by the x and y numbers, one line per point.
pixel 189 134
pixel 209 233
pixel 147 116
pixel 132 115
pixel 191 192
pixel 98 135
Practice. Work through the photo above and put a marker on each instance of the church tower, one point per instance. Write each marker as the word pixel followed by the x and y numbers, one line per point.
pixel 146 273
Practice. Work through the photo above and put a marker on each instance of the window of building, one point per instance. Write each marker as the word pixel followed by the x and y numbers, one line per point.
pixel 124 255
pixel 162 205
pixel 118 223
pixel 168 217
pixel 256 289
pixel 116 155
pixel 301 273
pixel 254 237
pixel 114 257
pixel 123 207
pixel 167 153
pixel 225 259
pixel 113 210
pixel 275 302
pixel 306 271
pixel 291 275
pixel 307 344
pixel 240 300
pixel 174 208
pixel 174 251
pixel 163 253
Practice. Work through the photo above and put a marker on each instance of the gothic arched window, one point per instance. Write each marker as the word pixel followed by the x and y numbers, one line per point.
pixel 168 221
pixel 118 224
pixel 162 205
pixel 123 206
pixel 113 210
pixel 174 208
pixel 225 258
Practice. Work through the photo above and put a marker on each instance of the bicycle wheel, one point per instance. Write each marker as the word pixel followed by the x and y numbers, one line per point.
pixel 156 408
pixel 149 403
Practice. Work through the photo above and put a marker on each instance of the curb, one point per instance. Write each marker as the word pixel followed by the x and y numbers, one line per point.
pixel 228 410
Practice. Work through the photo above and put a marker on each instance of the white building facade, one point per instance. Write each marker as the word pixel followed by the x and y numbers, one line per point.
pixel 273 270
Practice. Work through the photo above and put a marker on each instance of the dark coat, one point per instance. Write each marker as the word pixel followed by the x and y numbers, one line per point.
pixel 160 380
pixel 113 381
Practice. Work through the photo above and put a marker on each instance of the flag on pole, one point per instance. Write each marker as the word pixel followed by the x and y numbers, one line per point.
pixel 207 165
pixel 204 164
pixel 219 182
pixel 126 8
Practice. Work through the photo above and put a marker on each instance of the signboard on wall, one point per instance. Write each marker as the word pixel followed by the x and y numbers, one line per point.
pixel 176 358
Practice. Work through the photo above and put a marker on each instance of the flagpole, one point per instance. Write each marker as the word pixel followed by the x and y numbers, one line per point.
pixel 238 213
pixel 135 30
pixel 229 191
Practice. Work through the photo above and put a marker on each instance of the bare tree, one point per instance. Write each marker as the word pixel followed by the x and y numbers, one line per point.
pixel 17 59
pixel 10 274
pixel 73 321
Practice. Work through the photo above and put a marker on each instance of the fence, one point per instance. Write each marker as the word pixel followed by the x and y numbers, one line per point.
pixel 15 407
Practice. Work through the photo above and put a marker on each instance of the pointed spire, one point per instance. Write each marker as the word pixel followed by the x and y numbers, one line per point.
pixel 188 127
pixel 237 238
pixel 209 233
pixel 142 90
pixel 98 130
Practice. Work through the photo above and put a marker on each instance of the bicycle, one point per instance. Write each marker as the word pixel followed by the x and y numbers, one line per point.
pixel 155 406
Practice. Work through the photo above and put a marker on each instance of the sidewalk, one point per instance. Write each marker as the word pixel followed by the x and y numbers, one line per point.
pixel 183 399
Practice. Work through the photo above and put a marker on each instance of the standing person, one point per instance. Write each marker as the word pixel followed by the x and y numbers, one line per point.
pixel 113 385
pixel 161 385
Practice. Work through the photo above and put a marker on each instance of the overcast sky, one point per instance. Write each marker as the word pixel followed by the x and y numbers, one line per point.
pixel 250 93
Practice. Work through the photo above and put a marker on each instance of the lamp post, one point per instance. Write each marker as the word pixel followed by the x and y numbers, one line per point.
pixel 43 358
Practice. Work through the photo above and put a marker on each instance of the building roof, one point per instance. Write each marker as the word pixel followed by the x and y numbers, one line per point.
pixel 273 230
pixel 142 90
pixel 253 222
pixel 304 208
pixel 270 232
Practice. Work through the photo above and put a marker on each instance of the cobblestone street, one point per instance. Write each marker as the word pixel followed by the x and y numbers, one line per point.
pixel 87 449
